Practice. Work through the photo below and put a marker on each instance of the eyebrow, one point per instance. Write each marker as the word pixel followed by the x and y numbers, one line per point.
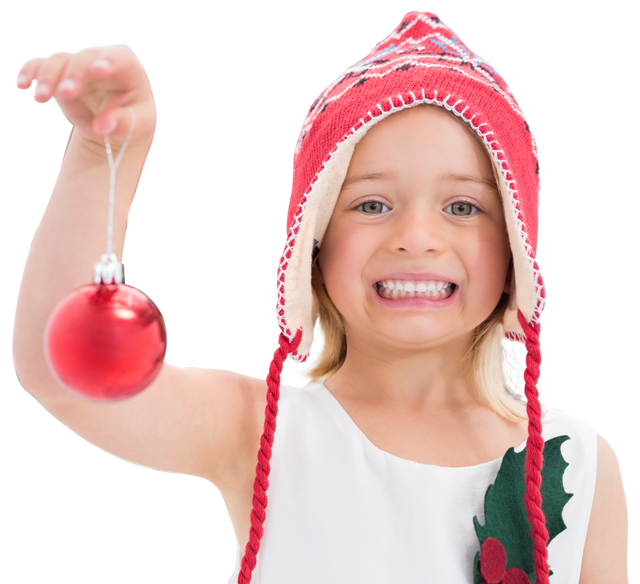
pixel 371 176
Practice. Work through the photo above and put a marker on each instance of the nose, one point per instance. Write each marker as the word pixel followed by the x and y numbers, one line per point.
pixel 417 233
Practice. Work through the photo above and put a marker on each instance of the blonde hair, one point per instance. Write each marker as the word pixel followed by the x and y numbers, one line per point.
pixel 485 358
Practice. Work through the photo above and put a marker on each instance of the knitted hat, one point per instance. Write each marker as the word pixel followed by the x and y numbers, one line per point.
pixel 421 62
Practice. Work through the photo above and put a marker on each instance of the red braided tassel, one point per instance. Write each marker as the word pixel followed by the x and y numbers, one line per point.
pixel 261 483
pixel 535 448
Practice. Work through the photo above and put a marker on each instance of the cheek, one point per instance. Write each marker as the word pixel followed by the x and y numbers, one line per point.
pixel 343 260
pixel 499 283
pixel 490 263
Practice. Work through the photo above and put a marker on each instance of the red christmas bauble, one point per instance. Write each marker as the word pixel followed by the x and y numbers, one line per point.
pixel 106 342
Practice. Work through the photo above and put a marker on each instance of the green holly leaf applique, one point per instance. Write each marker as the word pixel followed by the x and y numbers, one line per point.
pixel 505 513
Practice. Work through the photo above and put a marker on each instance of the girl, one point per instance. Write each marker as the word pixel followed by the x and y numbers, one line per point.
pixel 412 233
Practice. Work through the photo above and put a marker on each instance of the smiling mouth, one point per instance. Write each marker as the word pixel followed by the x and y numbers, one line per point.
pixel 431 289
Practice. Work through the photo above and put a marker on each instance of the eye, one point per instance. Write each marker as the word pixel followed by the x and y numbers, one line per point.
pixel 461 209
pixel 375 208
pixel 372 208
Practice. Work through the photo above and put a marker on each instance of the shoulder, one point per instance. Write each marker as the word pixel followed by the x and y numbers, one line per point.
pixel 605 550
pixel 258 391
pixel 554 412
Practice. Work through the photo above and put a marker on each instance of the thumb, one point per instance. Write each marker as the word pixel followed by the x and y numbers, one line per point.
pixel 115 123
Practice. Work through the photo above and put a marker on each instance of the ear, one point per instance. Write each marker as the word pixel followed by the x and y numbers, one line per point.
pixel 509 283
pixel 316 270
pixel 316 280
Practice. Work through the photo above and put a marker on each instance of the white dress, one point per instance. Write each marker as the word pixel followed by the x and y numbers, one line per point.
pixel 342 511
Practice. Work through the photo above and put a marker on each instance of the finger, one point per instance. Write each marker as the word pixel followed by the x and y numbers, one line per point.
pixel 48 76
pixel 117 66
pixel 76 74
pixel 96 66
pixel 27 73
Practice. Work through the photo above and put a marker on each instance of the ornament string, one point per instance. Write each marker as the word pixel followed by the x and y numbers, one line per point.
pixel 109 270
pixel 112 179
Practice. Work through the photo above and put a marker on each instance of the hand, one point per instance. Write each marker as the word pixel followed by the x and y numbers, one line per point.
pixel 93 88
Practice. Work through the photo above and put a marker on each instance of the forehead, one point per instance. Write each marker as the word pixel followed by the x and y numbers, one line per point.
pixel 433 112
pixel 425 136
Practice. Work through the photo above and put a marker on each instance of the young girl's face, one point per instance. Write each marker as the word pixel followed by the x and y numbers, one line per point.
pixel 416 252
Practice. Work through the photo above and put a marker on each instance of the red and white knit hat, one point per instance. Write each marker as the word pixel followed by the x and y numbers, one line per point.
pixel 421 62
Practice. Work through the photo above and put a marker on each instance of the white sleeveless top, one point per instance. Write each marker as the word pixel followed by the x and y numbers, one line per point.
pixel 342 511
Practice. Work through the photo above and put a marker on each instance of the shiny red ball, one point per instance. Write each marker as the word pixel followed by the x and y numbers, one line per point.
pixel 106 342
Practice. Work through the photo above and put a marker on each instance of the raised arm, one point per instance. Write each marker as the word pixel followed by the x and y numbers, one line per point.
pixel 200 422
pixel 93 89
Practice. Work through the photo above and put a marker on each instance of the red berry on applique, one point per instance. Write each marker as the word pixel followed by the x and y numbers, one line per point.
pixel 493 561
pixel 515 576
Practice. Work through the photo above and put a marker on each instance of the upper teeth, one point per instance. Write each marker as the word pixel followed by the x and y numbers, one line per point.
pixel 414 285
